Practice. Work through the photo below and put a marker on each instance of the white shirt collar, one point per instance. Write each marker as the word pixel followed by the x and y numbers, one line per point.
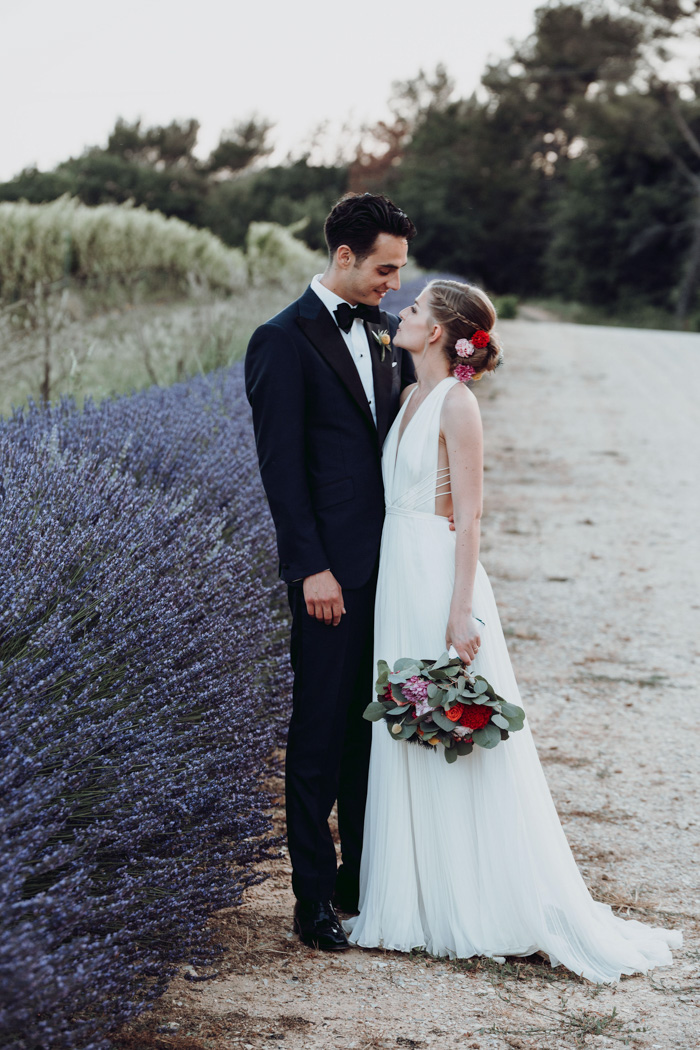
pixel 329 299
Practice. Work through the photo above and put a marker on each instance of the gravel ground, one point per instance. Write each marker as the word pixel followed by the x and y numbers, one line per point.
pixel 591 543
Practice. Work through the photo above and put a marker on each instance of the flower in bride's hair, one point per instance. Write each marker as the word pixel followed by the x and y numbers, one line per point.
pixel 464 373
pixel 480 339
pixel 464 348
pixel 455 712
pixel 475 716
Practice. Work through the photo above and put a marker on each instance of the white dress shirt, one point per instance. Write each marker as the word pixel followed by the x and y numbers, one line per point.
pixel 355 340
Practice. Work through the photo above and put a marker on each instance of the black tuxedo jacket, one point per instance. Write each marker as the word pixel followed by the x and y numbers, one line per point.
pixel 318 447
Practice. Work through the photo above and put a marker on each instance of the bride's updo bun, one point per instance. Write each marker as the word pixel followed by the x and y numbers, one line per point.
pixel 464 312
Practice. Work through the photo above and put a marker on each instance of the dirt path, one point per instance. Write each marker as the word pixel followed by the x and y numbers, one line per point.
pixel 591 542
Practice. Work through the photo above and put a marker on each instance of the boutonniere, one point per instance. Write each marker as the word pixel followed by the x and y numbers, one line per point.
pixel 384 339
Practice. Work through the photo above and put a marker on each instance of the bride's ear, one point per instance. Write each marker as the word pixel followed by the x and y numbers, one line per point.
pixel 435 333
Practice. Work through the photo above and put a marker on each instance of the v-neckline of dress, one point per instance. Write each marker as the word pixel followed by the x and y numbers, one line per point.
pixel 402 434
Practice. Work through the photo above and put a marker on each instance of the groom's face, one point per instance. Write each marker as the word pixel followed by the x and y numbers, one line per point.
pixel 369 279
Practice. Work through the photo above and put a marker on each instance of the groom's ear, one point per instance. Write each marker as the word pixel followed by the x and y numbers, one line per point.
pixel 344 256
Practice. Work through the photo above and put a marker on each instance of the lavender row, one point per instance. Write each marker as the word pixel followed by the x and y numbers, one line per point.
pixel 138 640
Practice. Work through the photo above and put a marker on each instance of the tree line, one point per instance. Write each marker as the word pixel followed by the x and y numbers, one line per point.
pixel 573 171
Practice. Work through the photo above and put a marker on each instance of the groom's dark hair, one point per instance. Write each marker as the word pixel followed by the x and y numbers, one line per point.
pixel 358 219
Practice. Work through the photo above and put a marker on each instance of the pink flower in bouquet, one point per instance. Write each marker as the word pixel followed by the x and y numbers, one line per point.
pixel 415 689
pixel 422 708
pixel 463 734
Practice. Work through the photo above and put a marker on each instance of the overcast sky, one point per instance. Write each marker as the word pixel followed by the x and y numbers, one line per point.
pixel 68 70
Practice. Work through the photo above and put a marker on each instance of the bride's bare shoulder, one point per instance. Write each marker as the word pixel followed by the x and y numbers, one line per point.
pixel 405 392
pixel 460 419
pixel 460 401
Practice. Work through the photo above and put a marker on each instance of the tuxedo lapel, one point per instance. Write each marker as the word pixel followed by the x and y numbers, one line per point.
pixel 322 331
pixel 382 372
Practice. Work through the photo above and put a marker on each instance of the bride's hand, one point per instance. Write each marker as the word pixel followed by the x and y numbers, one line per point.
pixel 463 633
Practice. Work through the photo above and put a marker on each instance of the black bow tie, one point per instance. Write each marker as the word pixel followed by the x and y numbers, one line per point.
pixel 346 314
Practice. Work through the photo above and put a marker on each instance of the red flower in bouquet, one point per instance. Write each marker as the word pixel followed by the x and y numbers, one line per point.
pixel 480 339
pixel 475 716
pixel 455 712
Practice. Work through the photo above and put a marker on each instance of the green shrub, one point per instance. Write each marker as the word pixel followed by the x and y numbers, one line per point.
pixel 506 306
pixel 275 255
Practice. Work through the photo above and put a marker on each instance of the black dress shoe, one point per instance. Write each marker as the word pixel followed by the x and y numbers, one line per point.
pixel 319 926
pixel 347 891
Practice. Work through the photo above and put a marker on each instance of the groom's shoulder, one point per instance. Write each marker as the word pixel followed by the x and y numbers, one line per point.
pixel 287 317
pixel 279 330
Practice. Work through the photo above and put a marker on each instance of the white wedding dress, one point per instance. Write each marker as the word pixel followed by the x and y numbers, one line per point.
pixel 469 858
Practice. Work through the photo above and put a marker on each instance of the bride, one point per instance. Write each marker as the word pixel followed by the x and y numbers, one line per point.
pixel 466 858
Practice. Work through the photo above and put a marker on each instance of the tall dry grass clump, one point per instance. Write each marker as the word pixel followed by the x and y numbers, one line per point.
pixel 46 243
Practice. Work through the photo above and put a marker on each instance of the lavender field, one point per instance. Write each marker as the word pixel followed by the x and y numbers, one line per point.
pixel 143 687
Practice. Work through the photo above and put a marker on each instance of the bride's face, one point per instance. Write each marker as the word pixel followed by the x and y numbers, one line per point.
pixel 416 325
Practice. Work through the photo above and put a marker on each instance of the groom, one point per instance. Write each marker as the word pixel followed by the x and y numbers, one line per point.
pixel 324 382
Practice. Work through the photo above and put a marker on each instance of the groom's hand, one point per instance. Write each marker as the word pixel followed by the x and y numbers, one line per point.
pixel 324 597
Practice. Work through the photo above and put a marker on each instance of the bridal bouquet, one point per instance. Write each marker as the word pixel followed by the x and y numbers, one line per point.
pixel 441 702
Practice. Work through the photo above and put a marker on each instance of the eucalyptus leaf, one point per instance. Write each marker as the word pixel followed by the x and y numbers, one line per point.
pixel 403 710
pixel 442 661
pixel 382 667
pixel 374 711
pixel 405 664
pixel 480 686
pixel 432 691
pixel 487 737
pixel 500 721
pixel 511 710
pixel 443 721
pixel 462 748
pixel 397 695
pixel 407 731
pixel 450 754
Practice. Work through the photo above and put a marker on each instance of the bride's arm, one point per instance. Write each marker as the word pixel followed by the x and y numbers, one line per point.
pixel 461 430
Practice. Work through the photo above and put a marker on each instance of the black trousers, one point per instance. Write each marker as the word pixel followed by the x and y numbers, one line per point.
pixel 329 740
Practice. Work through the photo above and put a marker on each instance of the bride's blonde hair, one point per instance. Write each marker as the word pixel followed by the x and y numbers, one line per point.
pixel 462 310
